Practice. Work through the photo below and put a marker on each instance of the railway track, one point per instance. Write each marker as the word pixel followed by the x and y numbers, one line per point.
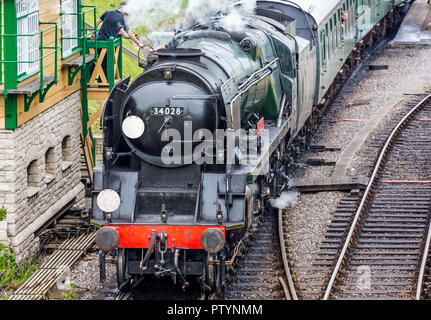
pixel 262 270
pixel 56 266
pixel 385 252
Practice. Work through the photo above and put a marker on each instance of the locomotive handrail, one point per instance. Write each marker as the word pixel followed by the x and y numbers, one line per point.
pixel 235 120
pixel 197 97
pixel 257 76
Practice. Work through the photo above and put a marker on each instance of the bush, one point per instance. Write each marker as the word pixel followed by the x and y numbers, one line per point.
pixel 12 274
pixel 3 213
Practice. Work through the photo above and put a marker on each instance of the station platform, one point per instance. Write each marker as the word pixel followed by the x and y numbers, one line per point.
pixel 415 30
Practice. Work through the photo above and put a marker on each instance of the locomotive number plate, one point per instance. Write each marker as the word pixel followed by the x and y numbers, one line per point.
pixel 167 111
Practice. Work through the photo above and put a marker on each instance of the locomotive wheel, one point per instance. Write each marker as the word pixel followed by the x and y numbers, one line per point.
pixel 122 266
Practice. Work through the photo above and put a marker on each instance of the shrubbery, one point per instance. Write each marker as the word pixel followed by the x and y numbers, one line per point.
pixel 3 213
pixel 12 275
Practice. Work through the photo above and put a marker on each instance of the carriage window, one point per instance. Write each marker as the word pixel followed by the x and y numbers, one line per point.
pixel 323 41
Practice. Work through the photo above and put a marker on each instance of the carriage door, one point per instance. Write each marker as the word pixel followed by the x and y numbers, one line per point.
pixel 360 19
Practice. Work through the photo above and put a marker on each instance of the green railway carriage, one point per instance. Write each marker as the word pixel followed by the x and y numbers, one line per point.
pixel 331 40
pixel 312 43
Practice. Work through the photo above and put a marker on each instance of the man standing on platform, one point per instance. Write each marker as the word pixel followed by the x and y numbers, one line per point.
pixel 114 25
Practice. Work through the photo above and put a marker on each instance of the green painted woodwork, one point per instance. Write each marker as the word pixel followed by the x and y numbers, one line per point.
pixel 93 150
pixel 78 48
pixel 110 45
pixel 110 63
pixel 1 43
pixel 85 43
pixel 84 101
pixel 10 64
pixel 83 33
pixel 71 74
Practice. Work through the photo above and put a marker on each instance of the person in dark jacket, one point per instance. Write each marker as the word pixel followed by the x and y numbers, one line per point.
pixel 114 24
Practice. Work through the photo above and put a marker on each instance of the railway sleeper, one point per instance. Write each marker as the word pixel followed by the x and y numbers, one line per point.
pixel 389 241
pixel 392 226
pixel 391 236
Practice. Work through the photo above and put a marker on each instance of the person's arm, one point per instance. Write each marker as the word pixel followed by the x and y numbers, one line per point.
pixel 160 48
pixel 98 22
pixel 132 36
pixel 124 34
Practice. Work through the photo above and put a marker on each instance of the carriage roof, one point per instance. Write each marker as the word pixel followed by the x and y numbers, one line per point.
pixel 318 9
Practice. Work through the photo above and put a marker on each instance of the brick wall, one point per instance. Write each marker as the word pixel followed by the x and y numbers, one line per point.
pixel 40 171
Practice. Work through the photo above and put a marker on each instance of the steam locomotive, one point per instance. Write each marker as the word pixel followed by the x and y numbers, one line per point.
pixel 166 213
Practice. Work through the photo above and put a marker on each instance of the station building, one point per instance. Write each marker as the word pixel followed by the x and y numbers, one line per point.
pixel 45 128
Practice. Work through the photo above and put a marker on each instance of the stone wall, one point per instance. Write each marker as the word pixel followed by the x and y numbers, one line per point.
pixel 40 171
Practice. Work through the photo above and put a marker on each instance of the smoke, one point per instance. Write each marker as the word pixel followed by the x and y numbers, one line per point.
pixel 286 200
pixel 151 14
pixel 164 15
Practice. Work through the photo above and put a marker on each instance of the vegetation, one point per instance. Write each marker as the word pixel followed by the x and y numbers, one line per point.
pixel 71 294
pixel 12 274
pixel 3 213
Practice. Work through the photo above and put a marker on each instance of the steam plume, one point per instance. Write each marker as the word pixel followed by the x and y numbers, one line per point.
pixel 286 200
pixel 161 15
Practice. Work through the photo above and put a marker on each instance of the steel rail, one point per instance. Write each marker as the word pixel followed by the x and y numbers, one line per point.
pixel 293 295
pixel 423 265
pixel 367 193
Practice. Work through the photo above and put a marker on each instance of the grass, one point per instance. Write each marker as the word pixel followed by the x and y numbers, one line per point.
pixel 71 294
pixel 3 213
pixel 331 170
pixel 12 274
pixel 130 68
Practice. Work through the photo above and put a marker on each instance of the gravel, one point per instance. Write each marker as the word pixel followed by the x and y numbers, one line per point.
pixel 306 224
pixel 380 87
pixel 85 276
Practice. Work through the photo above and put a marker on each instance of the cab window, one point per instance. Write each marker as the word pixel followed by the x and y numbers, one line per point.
pixel 284 55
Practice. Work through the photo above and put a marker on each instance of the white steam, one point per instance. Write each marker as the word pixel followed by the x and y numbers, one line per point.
pixel 165 15
pixel 288 199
